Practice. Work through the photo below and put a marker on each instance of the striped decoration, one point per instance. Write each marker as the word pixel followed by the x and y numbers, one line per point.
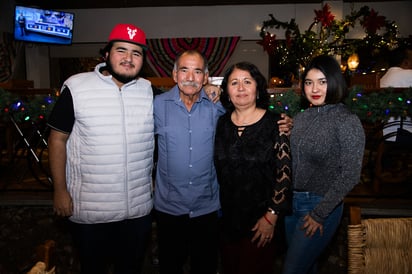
pixel 162 52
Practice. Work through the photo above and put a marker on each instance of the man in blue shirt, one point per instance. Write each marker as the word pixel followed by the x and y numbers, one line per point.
pixel 186 189
pixel 186 197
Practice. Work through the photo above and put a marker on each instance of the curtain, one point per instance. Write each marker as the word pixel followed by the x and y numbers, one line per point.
pixel 7 55
pixel 162 52
pixel 12 58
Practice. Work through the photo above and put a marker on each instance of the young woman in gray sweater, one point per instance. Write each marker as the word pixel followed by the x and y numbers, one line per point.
pixel 327 144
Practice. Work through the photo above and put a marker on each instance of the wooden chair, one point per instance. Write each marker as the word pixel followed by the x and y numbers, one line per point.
pixel 379 245
pixel 44 259
pixel 373 136
pixel 393 160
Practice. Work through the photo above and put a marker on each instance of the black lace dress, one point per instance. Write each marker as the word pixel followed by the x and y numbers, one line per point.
pixel 254 172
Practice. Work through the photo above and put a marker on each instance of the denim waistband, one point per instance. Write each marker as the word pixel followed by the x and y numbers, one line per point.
pixel 308 194
pixel 299 190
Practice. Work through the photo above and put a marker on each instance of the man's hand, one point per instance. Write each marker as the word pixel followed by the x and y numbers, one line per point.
pixel 213 92
pixel 62 203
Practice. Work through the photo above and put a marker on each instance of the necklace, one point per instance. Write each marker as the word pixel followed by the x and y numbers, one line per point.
pixel 248 119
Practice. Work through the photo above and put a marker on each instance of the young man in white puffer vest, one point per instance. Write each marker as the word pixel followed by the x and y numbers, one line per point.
pixel 101 155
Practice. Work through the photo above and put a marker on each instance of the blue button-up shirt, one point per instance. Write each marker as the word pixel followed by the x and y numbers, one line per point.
pixel 186 181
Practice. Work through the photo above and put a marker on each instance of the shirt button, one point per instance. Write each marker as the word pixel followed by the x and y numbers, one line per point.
pixel 190 183
pixel 190 165
pixel 190 148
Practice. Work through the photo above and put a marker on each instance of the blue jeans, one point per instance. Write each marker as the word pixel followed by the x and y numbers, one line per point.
pixel 303 251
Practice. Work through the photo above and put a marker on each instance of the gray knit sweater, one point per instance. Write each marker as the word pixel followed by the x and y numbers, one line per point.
pixel 327 145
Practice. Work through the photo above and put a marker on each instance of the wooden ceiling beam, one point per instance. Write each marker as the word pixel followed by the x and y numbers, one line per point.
pixel 95 4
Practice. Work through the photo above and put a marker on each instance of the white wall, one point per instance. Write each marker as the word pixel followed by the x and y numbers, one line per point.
pixel 92 28
pixel 216 21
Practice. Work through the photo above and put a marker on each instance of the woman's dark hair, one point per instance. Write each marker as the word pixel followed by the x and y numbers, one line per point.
pixel 262 100
pixel 337 89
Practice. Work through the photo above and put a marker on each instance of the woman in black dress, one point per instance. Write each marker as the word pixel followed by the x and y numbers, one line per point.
pixel 253 164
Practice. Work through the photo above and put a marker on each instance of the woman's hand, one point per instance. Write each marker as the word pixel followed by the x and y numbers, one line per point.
pixel 285 124
pixel 264 230
pixel 311 226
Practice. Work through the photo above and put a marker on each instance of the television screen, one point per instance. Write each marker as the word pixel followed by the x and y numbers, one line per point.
pixel 43 25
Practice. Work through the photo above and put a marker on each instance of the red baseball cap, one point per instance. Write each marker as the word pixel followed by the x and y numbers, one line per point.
pixel 128 33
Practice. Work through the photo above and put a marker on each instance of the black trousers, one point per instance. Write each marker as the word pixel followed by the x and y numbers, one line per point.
pixel 183 239
pixel 117 245
pixel 244 257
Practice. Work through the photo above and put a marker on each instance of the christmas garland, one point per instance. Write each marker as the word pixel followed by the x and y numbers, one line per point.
pixel 34 108
pixel 380 106
pixel 369 106
pixel 327 36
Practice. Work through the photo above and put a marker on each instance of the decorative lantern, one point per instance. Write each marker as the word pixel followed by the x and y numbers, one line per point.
pixel 276 82
pixel 353 62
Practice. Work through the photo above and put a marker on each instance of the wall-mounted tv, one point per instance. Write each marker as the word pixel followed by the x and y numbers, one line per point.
pixel 37 25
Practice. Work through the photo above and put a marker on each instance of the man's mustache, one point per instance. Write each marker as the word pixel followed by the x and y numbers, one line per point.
pixel 190 83
pixel 127 63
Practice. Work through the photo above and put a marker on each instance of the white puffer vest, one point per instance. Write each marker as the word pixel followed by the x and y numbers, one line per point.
pixel 110 149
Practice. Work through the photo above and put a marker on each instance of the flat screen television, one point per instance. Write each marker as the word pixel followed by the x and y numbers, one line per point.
pixel 36 25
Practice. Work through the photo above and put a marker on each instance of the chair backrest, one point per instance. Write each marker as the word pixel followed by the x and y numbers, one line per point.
pixel 397 128
pixel 393 154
